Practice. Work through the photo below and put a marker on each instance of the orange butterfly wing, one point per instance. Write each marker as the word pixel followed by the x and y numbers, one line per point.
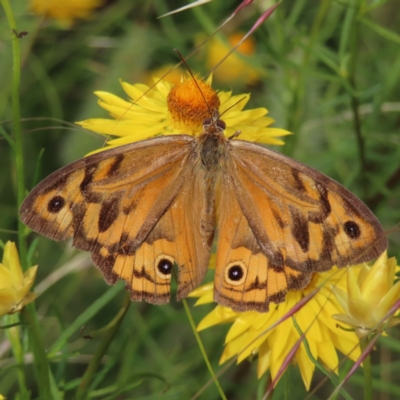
pixel 279 221
pixel 125 206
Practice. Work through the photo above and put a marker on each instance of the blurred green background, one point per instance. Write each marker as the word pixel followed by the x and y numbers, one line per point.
pixel 320 65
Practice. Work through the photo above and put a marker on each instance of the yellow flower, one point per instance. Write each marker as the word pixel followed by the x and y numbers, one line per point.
pixel 238 67
pixel 167 72
pixel 370 296
pixel 65 11
pixel 166 109
pixel 254 333
pixel 14 284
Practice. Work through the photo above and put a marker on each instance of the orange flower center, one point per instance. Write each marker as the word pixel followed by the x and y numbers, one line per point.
pixel 190 103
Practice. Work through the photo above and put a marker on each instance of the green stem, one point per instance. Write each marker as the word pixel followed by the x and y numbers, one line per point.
pixel 354 102
pixel 367 370
pixel 297 106
pixel 94 364
pixel 28 314
pixel 14 337
pixel 204 20
pixel 29 317
pixel 202 349
pixel 19 160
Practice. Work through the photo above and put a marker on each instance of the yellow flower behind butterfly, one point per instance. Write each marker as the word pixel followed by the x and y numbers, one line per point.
pixel 239 66
pixel 168 109
pixel 15 285
pixel 65 11
pixel 253 333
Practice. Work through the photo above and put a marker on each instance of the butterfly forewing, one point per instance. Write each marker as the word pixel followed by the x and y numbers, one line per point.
pixel 125 206
pixel 317 223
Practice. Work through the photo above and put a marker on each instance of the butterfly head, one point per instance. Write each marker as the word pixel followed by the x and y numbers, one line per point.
pixel 214 125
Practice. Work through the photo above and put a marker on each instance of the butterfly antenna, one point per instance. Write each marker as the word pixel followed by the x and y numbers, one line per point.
pixel 233 105
pixel 195 81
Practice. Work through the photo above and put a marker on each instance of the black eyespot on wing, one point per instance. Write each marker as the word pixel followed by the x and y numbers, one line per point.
pixel 352 229
pixel 56 204
pixel 165 266
pixel 235 273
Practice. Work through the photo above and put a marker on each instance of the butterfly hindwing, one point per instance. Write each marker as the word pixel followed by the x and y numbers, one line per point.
pixel 175 238
pixel 245 279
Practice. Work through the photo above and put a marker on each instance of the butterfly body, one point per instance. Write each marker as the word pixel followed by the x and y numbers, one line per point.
pixel 142 207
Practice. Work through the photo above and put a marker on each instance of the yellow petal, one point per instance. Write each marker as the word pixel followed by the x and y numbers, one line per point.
pixel 353 290
pixel 233 103
pixel 137 91
pixel 377 282
pixel 348 346
pixel 254 339
pixel 281 337
pixel 31 273
pixel 121 128
pixel 29 278
pixel 7 300
pixel 112 99
pixel 5 277
pixel 145 133
pixel 262 321
pixel 327 354
pixel 242 323
pixel 264 359
pixel 346 319
pixel 238 117
pixel 362 275
pixel 205 299
pixel 342 298
pixel 361 311
pixel 305 365
pixel 308 323
pixel 11 261
pixel 201 290
pixel 232 348
pixel 386 303
pixel 28 299
pixel 277 361
pixel 217 316
pixel 392 266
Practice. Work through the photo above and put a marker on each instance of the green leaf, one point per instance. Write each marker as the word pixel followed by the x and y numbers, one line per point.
pixel 380 30
pixel 84 317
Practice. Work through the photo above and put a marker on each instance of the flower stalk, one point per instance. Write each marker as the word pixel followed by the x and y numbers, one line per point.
pixel 28 313
pixel 203 350
pixel 16 113
pixel 109 333
pixel 367 369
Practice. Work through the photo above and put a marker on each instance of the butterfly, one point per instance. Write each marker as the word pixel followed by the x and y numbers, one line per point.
pixel 143 207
